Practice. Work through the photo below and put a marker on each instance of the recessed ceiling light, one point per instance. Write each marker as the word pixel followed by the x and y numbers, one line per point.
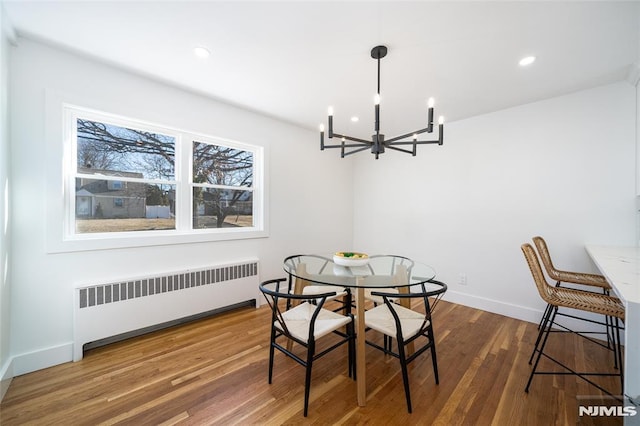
pixel 201 52
pixel 355 119
pixel 527 60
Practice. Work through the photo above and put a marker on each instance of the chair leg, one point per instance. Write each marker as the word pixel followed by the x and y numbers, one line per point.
pixel 405 374
pixel 307 380
pixel 618 352
pixel 612 329
pixel 545 319
pixel 271 355
pixel 546 310
pixel 434 359
pixel 548 324
pixel 348 301
pixel 352 350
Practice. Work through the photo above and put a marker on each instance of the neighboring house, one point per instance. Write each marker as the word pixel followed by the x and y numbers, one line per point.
pixel 110 199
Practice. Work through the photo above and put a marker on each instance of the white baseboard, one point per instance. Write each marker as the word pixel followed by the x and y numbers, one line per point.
pixel 6 375
pixel 495 306
pixel 525 313
pixel 44 358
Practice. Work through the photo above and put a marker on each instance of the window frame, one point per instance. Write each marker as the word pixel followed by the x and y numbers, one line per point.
pixel 256 216
pixel 69 240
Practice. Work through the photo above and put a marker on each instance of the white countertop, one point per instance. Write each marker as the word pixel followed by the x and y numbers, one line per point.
pixel 621 267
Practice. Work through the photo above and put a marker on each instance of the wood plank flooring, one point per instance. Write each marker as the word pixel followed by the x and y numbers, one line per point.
pixel 214 371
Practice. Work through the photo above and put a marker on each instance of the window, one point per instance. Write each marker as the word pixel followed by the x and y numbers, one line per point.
pixel 222 186
pixel 115 184
pixel 122 171
pixel 135 179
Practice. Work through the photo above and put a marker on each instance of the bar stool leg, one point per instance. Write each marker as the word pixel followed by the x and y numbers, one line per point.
pixel 541 329
pixel 554 309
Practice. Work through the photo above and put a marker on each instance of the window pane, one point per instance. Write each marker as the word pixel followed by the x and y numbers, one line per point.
pixel 119 151
pixel 222 208
pixel 220 165
pixel 102 206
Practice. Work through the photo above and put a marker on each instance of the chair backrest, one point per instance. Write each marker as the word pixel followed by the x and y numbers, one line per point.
pixel 542 285
pixel 389 269
pixel 273 294
pixel 543 252
pixel 433 289
pixel 293 263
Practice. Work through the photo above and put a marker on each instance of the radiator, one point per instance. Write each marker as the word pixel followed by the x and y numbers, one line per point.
pixel 127 307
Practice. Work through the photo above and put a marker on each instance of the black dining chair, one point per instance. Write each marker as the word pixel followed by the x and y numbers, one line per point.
pixel 407 326
pixel 304 324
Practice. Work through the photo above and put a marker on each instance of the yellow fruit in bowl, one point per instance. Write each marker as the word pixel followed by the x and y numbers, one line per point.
pixel 350 258
pixel 352 255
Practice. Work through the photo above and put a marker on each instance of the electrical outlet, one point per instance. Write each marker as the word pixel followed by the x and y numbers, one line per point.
pixel 462 278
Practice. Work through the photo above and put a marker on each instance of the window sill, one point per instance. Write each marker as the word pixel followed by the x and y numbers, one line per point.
pixel 84 243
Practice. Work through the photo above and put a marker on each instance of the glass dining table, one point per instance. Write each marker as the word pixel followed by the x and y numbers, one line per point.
pixel 375 272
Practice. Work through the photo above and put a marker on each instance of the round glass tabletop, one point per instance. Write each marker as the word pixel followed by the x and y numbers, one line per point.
pixel 379 271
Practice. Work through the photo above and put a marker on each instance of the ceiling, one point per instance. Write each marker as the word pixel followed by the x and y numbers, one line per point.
pixel 292 59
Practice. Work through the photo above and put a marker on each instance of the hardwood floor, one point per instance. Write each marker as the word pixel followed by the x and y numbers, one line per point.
pixel 214 371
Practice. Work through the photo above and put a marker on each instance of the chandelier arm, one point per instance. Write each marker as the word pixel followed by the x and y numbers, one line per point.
pixel 355 150
pixel 406 135
pixel 351 138
pixel 400 149
pixel 415 142
pixel 348 145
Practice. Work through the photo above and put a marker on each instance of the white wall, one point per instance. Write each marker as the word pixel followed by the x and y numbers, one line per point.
pixel 563 168
pixel 307 213
pixel 5 278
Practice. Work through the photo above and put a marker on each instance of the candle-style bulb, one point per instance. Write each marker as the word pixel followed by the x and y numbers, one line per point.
pixel 441 120
pixel 415 137
pixel 376 99
pixel 431 102
pixel 322 127
pixel 330 111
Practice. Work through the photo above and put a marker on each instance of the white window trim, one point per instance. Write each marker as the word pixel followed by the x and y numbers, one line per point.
pixel 59 207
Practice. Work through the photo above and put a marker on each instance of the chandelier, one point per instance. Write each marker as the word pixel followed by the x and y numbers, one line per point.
pixel 378 143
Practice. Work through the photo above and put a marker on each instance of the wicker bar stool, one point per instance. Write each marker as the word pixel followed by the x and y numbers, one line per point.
pixel 593 282
pixel 561 276
pixel 560 297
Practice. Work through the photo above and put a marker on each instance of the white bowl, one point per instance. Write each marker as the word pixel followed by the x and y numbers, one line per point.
pixel 340 259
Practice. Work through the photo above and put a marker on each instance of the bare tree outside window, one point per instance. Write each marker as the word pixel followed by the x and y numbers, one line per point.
pixel 129 176
pixel 223 186
pixel 130 162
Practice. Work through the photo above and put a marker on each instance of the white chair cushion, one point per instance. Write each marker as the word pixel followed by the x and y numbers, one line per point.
pixel 298 321
pixel 381 319
pixel 378 299
pixel 320 289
